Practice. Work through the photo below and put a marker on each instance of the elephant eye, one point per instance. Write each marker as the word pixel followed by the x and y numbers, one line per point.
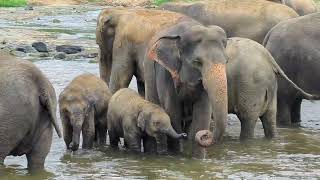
pixel 197 62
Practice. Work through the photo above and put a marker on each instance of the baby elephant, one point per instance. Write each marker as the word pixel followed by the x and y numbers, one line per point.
pixel 84 106
pixel 133 118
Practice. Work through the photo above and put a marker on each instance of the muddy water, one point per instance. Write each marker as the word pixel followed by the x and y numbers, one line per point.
pixel 295 154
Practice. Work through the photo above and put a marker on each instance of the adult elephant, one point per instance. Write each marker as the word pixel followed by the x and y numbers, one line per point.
pixel 185 72
pixel 250 19
pixel 302 7
pixel 122 42
pixel 203 53
pixel 27 112
pixel 294 45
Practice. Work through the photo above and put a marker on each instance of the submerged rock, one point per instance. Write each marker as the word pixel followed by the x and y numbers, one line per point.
pixel 25 49
pixel 69 49
pixel 60 55
pixel 40 46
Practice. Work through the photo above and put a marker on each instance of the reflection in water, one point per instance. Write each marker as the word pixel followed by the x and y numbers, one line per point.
pixel 294 154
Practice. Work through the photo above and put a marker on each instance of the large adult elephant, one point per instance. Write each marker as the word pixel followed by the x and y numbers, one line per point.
pixel 302 7
pixel 27 112
pixel 122 36
pixel 294 45
pixel 202 53
pixel 250 19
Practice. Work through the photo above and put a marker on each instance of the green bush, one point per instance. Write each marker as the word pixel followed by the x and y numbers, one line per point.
pixel 12 3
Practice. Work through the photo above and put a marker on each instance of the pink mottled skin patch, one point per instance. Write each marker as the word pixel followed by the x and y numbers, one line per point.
pixel 153 55
pixel 217 74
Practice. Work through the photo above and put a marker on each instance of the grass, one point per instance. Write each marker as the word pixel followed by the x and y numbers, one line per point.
pixel 12 3
pixel 159 2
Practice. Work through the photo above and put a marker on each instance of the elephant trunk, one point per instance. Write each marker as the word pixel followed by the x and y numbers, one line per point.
pixel 74 145
pixel 215 83
pixel 204 138
pixel 172 133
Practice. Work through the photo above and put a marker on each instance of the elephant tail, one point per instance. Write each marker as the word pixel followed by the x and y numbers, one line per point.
pixel 48 101
pixel 280 72
pixel 266 38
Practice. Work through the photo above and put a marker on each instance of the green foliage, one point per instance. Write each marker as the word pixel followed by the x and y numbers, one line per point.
pixel 12 3
pixel 159 2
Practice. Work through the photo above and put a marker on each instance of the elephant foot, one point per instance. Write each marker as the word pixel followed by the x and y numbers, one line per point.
pixel 74 146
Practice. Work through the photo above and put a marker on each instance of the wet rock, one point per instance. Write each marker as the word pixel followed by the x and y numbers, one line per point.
pixel 69 49
pixel 25 49
pixel 41 55
pixel 56 21
pixel 18 53
pixel 60 55
pixel 3 41
pixel 40 46
pixel 90 55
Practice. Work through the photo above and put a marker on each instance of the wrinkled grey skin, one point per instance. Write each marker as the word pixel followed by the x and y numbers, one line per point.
pixel 252 83
pixel 250 19
pixel 252 88
pixel 133 118
pixel 185 73
pixel 83 107
pixel 27 112
pixel 122 43
pixel 302 7
pixel 294 45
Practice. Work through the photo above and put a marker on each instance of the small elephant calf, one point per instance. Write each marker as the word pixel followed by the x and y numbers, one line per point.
pixel 83 107
pixel 133 118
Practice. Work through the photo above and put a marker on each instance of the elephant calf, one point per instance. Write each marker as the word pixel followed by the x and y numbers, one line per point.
pixel 27 112
pixel 133 118
pixel 83 107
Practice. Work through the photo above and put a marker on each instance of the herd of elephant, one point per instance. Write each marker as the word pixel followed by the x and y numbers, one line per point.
pixel 194 63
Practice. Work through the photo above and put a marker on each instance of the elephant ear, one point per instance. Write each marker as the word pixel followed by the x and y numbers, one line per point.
pixel 165 51
pixel 141 122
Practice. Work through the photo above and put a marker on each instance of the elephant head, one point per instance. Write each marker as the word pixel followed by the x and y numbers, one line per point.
pixel 74 112
pixel 156 123
pixel 195 54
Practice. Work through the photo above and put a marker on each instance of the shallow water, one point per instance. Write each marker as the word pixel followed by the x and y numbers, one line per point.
pixel 295 154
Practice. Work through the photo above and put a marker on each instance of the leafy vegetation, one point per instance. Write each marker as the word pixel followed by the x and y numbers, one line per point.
pixel 12 3
pixel 159 2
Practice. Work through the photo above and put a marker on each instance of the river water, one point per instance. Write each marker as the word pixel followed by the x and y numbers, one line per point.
pixel 294 154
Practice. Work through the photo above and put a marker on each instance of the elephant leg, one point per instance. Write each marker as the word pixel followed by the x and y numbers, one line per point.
pixel 141 87
pixel 248 122
pixel 88 131
pixel 268 120
pixel 132 141
pixel 36 157
pixel 201 117
pixel 114 138
pixel 296 112
pixel 122 70
pixel 171 104
pixel 283 112
pixel 105 65
pixel 101 135
pixel 149 144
